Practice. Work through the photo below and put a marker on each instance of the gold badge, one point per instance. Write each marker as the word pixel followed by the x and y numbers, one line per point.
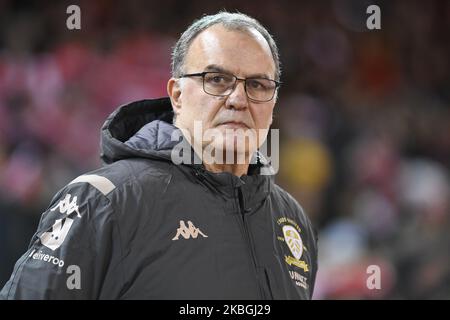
pixel 291 236
pixel 293 240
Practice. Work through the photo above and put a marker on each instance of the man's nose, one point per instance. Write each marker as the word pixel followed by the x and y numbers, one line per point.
pixel 238 97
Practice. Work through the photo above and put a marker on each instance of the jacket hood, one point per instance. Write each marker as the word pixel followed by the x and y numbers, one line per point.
pixel 148 122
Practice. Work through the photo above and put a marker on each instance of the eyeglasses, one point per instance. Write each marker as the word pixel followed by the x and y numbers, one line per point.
pixel 222 84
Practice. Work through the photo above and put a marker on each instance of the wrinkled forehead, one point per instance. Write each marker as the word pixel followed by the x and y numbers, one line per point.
pixel 242 52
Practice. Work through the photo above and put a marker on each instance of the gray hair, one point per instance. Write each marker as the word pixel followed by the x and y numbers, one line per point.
pixel 232 21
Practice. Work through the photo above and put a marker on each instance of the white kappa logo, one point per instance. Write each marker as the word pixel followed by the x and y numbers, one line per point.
pixel 187 232
pixel 66 206
pixel 293 241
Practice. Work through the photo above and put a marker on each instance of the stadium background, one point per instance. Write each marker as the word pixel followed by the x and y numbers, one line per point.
pixel 363 115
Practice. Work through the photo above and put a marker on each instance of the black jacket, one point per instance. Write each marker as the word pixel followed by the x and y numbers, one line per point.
pixel 142 227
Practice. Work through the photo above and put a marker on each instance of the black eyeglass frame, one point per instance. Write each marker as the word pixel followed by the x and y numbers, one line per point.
pixel 203 74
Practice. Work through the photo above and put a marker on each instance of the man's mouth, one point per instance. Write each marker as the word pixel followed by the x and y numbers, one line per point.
pixel 234 125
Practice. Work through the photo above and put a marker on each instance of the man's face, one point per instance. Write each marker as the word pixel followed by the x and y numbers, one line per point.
pixel 241 54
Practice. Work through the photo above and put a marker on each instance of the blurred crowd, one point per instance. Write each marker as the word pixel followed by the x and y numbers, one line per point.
pixel 364 119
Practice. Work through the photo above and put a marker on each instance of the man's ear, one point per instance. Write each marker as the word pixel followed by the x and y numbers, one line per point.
pixel 174 91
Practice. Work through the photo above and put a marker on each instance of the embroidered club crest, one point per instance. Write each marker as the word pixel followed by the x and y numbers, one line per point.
pixel 293 240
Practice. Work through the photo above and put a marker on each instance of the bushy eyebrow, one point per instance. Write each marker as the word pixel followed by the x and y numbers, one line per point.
pixel 217 68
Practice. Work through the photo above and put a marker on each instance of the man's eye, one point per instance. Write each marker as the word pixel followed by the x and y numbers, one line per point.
pixel 218 79
pixel 255 84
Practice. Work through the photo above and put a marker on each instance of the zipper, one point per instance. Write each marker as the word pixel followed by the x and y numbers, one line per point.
pixel 200 173
pixel 249 241
pixel 202 179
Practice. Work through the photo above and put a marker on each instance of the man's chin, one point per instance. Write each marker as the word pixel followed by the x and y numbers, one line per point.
pixel 227 153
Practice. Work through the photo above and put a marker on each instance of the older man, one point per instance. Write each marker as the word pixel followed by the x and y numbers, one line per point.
pixel 147 227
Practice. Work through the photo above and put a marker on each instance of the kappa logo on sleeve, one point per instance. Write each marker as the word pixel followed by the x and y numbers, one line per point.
pixel 54 239
pixel 66 206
